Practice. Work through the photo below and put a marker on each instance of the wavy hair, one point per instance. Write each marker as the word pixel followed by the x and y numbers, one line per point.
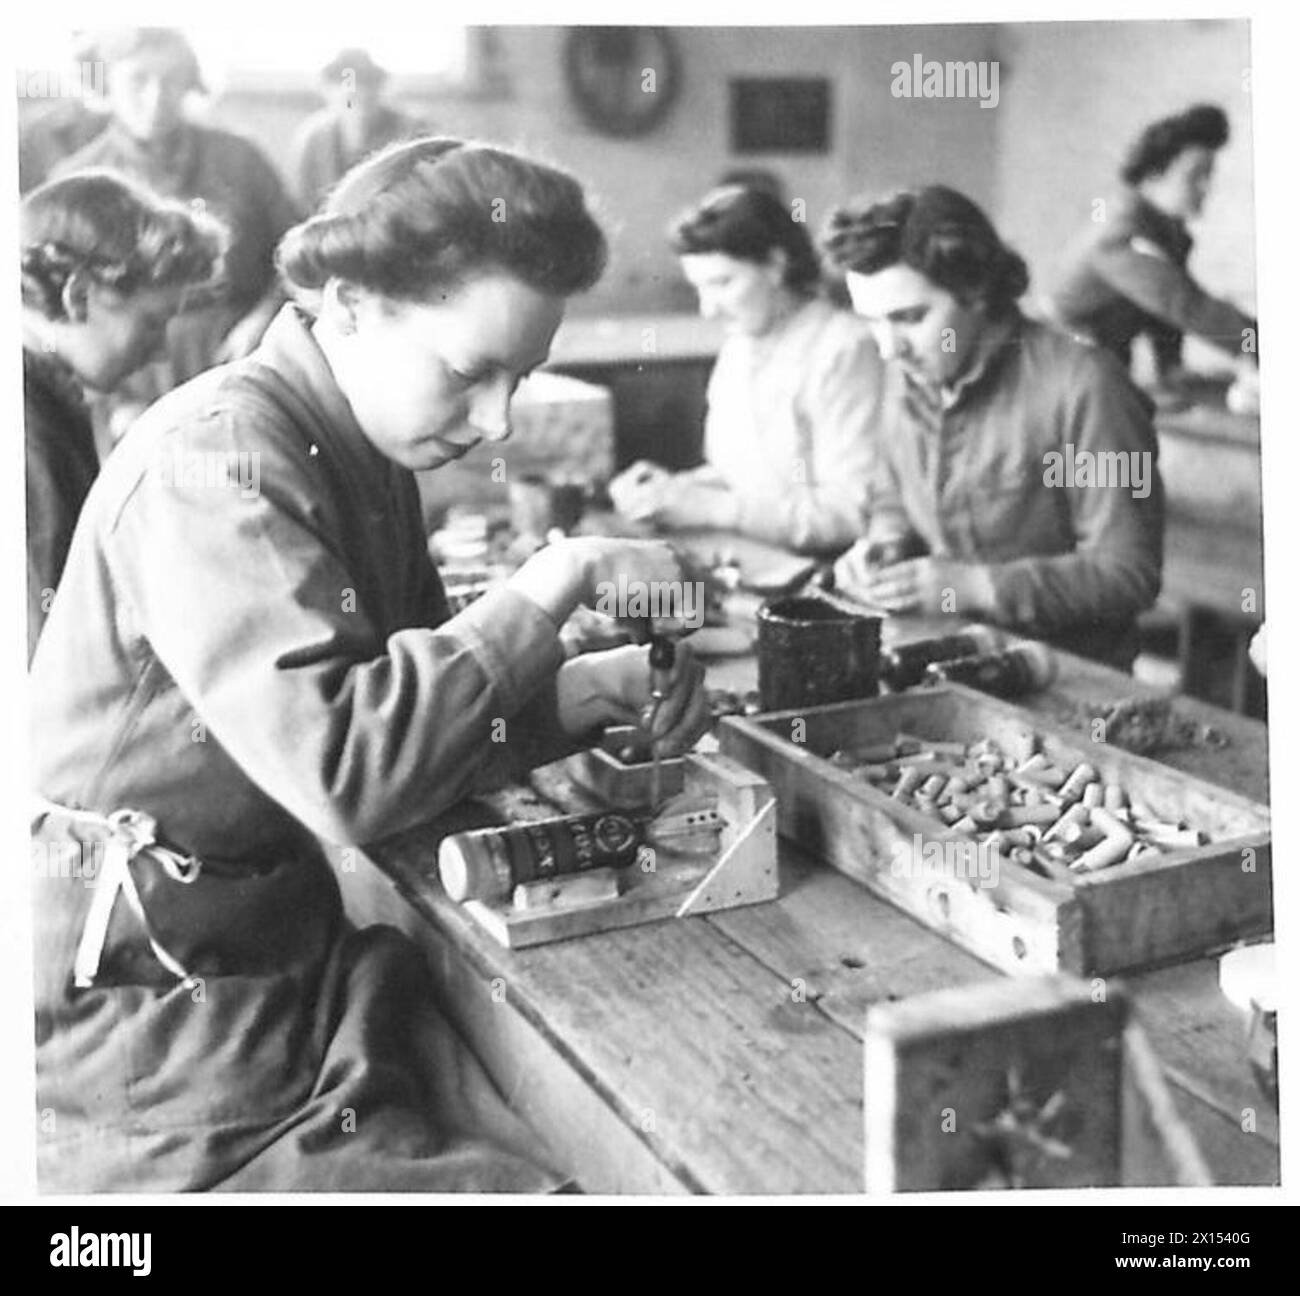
pixel 749 224
pixel 936 231
pixel 1203 125
pixel 117 232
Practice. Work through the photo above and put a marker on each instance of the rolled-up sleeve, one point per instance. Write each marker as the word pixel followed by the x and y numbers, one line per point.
pixel 250 606
pixel 1165 290
pixel 1114 569
pixel 841 405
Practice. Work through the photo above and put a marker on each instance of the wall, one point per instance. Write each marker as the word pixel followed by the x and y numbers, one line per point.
pixel 1074 95
pixel 878 142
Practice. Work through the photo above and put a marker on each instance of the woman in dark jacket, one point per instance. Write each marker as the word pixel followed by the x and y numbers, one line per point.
pixel 105 267
pixel 1129 275
pixel 253 663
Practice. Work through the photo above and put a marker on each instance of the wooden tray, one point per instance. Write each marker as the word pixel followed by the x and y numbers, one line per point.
pixel 1160 908
pixel 1039 1082
pixel 742 872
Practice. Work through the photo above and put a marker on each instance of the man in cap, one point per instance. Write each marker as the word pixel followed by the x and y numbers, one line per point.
pixel 355 123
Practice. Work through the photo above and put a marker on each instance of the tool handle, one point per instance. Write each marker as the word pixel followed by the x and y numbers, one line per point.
pixel 663 653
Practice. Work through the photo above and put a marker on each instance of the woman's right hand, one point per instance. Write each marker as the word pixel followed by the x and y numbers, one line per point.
pixel 613 687
pixel 639 491
pixel 599 572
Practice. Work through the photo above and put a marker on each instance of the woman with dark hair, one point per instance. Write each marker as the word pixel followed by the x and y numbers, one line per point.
pixel 151 74
pixel 252 671
pixel 1018 479
pixel 105 267
pixel 1128 275
pixel 788 436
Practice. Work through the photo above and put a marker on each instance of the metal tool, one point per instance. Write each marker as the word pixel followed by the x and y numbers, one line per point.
pixel 663 657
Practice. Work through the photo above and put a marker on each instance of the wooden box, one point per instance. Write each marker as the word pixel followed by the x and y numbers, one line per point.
pixel 601 771
pixel 1040 1082
pixel 1160 908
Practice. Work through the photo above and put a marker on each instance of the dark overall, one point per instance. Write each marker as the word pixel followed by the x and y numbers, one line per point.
pixel 253 673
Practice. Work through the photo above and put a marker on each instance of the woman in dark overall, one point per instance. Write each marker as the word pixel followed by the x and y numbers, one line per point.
pixel 251 661
pixel 1128 275
pixel 106 266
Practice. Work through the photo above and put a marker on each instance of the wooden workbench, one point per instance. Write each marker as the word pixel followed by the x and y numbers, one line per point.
pixel 723 1054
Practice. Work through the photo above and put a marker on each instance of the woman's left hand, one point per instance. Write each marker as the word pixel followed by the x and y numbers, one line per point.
pixel 613 687
pixel 676 501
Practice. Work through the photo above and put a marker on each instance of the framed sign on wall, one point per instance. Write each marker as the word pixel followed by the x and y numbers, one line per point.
pixel 780 115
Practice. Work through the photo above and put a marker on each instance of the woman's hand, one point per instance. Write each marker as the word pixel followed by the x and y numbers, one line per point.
pixel 858 566
pixel 645 492
pixel 606 574
pixel 691 504
pixel 638 491
pixel 613 687
pixel 1259 649
pixel 929 586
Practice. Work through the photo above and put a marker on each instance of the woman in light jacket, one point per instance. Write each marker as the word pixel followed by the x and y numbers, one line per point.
pixel 789 435
pixel 250 671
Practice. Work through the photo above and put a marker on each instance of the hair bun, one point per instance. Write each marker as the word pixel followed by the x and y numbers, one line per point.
pixel 416 218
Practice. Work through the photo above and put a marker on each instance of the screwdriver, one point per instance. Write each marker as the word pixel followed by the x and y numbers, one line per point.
pixel 663 657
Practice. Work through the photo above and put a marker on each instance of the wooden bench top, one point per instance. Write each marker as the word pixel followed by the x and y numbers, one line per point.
pixel 723 1053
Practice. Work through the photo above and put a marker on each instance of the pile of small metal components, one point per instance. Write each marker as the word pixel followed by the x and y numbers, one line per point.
pixel 1060 823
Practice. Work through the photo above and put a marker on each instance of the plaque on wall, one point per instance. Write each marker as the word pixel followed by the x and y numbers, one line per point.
pixel 780 115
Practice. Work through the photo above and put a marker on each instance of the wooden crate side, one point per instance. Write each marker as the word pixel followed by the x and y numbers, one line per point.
pixel 954 1079
pixel 826 729
pixel 1177 908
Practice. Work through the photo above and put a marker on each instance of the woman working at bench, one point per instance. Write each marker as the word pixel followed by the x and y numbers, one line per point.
pixel 251 656
pixel 788 436
pixel 1129 275
pixel 1018 478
